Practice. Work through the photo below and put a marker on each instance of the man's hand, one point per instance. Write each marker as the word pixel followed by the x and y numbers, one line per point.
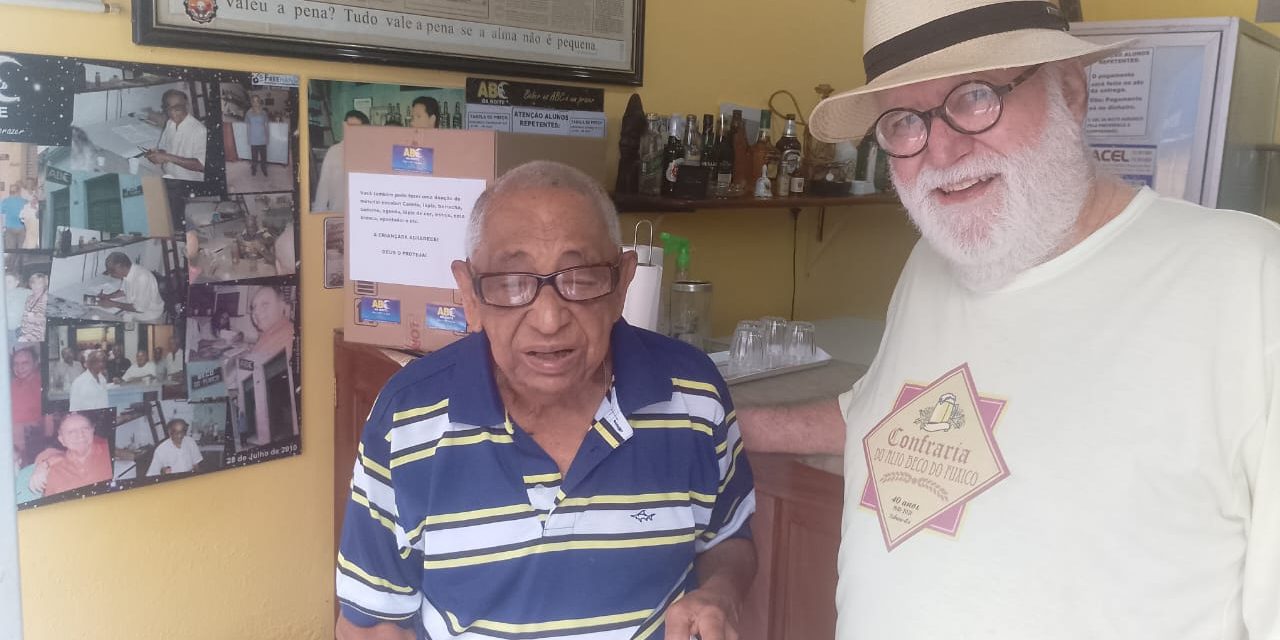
pixel 39 478
pixel 706 613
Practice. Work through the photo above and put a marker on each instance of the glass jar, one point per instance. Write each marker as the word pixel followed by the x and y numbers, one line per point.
pixel 691 312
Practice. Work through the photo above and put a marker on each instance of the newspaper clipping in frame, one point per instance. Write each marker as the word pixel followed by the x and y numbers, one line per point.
pixel 139 203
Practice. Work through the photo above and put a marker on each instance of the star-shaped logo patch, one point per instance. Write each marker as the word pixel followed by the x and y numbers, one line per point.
pixel 933 453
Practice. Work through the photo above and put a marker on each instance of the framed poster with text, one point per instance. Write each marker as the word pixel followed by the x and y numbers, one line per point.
pixel 594 40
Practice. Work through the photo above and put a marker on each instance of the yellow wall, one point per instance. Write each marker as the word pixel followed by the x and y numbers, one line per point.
pixel 246 553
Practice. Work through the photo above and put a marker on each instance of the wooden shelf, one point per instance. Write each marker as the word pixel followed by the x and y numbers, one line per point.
pixel 632 203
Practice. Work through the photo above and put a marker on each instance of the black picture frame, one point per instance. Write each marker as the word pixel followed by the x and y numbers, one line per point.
pixel 147 30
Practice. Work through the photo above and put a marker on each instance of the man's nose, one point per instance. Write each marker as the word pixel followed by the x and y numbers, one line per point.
pixel 946 145
pixel 548 312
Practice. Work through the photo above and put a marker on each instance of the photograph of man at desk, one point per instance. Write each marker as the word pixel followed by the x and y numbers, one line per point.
pixel 144 125
pixel 139 282
pixel 166 439
pixel 89 368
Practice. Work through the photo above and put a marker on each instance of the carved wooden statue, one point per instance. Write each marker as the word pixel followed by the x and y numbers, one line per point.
pixel 633 127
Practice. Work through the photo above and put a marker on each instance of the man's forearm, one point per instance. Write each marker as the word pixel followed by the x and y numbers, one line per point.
pixel 728 568
pixel 816 427
pixel 190 164
pixel 384 631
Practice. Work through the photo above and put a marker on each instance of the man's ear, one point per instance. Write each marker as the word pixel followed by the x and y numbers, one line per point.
pixel 1075 87
pixel 626 273
pixel 466 287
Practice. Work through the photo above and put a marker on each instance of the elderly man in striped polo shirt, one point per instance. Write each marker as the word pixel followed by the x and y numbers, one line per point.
pixel 559 473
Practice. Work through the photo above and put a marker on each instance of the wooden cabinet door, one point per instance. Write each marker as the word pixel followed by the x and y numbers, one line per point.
pixel 360 371
pixel 797 532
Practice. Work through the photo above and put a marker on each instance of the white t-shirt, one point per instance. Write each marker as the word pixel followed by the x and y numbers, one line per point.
pixel 142 291
pixel 140 372
pixel 178 459
pixel 186 140
pixel 331 188
pixel 89 392
pixel 1132 385
pixel 173 362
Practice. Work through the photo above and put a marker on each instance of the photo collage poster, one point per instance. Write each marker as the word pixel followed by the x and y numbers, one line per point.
pixel 150 226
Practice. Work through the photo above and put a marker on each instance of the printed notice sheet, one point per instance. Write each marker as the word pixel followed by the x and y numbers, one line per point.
pixel 1120 95
pixel 408 229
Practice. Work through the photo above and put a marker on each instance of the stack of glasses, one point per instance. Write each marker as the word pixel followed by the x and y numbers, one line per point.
pixel 770 343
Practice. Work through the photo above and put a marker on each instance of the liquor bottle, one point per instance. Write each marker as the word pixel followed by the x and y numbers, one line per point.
pixel 741 156
pixel 692 143
pixel 651 148
pixel 725 160
pixel 393 116
pixel 763 153
pixel 457 116
pixel 672 155
pixel 442 122
pixel 710 152
pixel 789 151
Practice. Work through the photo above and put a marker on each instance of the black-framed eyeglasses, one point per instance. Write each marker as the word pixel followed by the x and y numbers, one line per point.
pixel 575 284
pixel 972 107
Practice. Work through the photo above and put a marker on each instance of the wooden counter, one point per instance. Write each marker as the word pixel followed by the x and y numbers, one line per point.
pixel 797 520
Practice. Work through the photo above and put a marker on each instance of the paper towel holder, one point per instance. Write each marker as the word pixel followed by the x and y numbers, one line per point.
pixel 635 242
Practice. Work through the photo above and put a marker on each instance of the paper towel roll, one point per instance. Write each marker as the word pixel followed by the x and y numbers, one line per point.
pixel 640 309
pixel 645 253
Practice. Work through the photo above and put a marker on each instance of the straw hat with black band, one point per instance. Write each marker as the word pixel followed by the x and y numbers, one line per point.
pixel 905 42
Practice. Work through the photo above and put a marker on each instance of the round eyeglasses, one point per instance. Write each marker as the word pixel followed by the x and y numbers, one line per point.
pixel 970 108
pixel 575 284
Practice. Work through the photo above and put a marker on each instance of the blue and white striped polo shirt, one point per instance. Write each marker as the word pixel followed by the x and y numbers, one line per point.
pixel 461 526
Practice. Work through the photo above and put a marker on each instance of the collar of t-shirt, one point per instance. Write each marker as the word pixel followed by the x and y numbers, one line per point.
pixel 1081 252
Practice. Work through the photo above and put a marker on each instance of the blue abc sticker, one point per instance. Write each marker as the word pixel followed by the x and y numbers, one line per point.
pixel 446 318
pixel 383 310
pixel 412 159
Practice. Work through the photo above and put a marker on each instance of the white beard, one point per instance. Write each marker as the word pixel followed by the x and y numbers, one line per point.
pixel 1027 215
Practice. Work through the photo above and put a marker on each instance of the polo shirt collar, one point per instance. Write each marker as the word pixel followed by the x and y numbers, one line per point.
pixel 474 399
pixel 639 379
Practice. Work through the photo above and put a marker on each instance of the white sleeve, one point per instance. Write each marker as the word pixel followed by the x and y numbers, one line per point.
pixel 1262 559
pixel 154 469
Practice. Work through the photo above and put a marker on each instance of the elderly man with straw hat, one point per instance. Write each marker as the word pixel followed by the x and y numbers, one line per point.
pixel 1072 427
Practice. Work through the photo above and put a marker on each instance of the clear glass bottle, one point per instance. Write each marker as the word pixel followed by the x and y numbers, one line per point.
pixel 456 123
pixel 692 142
pixel 651 148
pixel 442 122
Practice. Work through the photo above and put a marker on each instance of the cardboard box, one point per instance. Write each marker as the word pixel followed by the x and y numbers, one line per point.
pixel 424 318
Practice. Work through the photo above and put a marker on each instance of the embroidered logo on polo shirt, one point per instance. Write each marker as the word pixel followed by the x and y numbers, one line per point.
pixel 643 516
pixel 933 453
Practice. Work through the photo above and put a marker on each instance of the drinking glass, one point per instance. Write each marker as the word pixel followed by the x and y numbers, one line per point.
pixel 800 344
pixel 746 351
pixel 775 351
